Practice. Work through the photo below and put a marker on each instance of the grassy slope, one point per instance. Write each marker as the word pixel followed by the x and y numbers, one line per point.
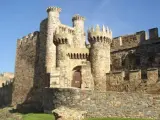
pixel 6 115
pixel 38 117
pixel 50 117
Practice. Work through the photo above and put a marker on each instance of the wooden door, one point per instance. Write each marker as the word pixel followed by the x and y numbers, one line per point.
pixel 77 79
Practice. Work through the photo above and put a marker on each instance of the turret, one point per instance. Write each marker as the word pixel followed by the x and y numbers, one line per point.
pixel 53 23
pixel 62 42
pixel 100 40
pixel 78 24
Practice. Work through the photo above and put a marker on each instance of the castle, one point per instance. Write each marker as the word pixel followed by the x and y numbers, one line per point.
pixel 58 57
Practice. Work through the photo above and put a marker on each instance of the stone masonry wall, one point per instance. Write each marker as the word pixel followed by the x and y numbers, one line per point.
pixel 87 78
pixel 25 68
pixel 104 104
pixel 133 81
pixel 145 50
pixel 5 94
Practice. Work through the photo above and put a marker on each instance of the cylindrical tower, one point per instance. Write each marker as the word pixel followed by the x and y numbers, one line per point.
pixel 78 24
pixel 61 40
pixel 53 23
pixel 100 41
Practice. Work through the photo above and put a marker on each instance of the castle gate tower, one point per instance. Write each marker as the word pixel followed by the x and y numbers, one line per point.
pixel 100 41
pixel 61 40
pixel 53 23
pixel 78 24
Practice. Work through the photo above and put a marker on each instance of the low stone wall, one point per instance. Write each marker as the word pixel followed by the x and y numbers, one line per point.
pixel 103 104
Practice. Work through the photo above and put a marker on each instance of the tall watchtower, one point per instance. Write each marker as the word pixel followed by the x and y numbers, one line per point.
pixel 53 23
pixel 78 24
pixel 100 41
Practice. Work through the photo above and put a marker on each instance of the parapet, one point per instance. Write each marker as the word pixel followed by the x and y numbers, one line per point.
pixel 77 17
pixel 29 37
pixel 5 83
pixel 100 35
pixel 127 41
pixel 67 29
pixel 56 9
pixel 63 35
pixel 133 78
pixel 78 53
pixel 134 40
pixel 116 42
pixel 153 33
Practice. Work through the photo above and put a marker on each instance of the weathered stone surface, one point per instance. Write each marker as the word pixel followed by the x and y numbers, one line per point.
pixel 57 57
pixel 6 94
pixel 64 113
pixel 103 104
pixel 25 68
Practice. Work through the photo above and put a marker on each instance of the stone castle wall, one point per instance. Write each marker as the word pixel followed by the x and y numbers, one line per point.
pixel 6 93
pixel 26 58
pixel 134 40
pixel 103 104
pixel 133 81
pixel 136 53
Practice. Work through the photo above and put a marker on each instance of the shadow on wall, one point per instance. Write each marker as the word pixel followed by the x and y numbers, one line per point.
pixel 29 99
pixel 136 51
pixel 6 95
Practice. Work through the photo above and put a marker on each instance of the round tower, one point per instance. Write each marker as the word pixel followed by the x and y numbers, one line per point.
pixel 53 23
pixel 100 41
pixel 61 40
pixel 78 24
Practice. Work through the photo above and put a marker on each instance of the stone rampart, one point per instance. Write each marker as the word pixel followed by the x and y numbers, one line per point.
pixel 26 56
pixel 133 81
pixel 134 40
pixel 6 93
pixel 103 104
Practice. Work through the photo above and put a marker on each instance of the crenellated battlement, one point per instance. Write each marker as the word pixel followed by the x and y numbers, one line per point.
pixel 56 9
pixel 28 38
pixel 63 35
pixel 100 35
pixel 78 53
pixel 78 17
pixel 66 29
pixel 133 78
pixel 134 40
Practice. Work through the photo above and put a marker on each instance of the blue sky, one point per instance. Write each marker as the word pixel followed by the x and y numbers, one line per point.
pixel 20 17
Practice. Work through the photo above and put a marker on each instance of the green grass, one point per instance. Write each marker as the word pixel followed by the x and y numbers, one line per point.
pixel 117 119
pixel 38 117
pixel 51 117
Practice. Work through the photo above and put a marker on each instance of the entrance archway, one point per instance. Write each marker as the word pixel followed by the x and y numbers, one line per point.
pixel 77 78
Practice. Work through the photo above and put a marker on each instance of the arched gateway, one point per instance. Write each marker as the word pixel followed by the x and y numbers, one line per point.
pixel 77 78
